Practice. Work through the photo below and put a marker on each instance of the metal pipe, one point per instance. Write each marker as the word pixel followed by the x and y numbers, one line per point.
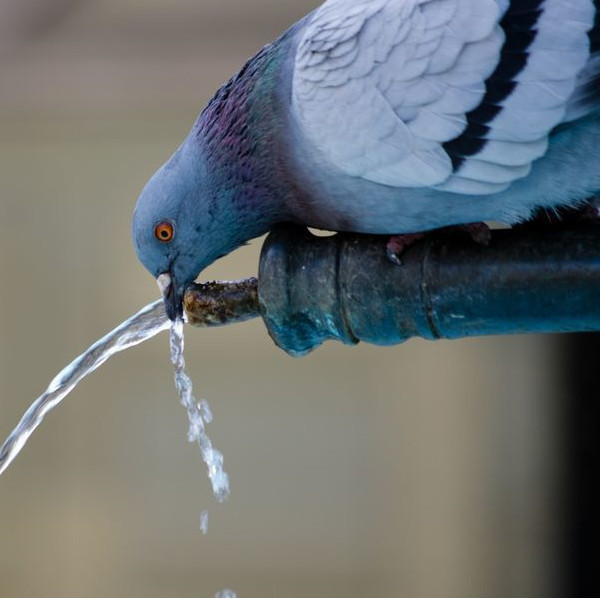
pixel 343 287
pixel 221 302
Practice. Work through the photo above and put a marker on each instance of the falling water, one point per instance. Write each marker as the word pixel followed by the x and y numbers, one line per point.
pixel 147 323
pixel 150 321
pixel 198 414
pixel 204 522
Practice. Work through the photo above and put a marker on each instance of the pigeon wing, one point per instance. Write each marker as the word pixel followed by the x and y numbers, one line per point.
pixel 460 95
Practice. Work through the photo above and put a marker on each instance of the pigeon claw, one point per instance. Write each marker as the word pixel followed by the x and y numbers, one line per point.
pixel 397 245
pixel 480 233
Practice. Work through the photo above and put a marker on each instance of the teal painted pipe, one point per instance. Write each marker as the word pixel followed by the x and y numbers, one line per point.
pixel 311 289
pixel 344 287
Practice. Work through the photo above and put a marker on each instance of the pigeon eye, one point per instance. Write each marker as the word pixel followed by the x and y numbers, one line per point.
pixel 164 231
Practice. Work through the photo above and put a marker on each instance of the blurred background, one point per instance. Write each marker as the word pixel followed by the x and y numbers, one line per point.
pixel 425 469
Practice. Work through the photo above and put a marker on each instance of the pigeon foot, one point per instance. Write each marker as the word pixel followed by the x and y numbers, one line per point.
pixel 397 244
pixel 480 233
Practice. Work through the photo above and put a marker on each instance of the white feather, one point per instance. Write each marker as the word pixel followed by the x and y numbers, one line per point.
pixel 398 64
pixel 379 86
pixel 518 134
pixel 584 99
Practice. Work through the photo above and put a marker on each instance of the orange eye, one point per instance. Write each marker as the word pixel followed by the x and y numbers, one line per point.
pixel 164 231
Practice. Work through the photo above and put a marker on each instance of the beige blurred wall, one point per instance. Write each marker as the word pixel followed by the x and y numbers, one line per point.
pixel 425 469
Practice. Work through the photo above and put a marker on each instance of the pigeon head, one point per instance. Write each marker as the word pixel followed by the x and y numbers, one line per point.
pixel 225 185
pixel 176 229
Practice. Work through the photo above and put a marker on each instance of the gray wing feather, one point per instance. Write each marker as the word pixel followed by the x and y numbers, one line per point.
pixel 379 86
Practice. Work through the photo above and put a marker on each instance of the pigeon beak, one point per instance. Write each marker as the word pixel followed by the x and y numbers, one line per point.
pixel 173 300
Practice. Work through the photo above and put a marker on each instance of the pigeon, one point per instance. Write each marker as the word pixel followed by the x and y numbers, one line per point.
pixel 384 117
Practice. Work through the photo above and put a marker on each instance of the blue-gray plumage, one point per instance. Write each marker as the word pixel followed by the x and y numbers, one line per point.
pixel 385 116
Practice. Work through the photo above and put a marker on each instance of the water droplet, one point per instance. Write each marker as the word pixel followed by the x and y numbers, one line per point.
pixel 204 522
pixel 206 412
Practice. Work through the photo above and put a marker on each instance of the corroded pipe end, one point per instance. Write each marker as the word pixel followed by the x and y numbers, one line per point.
pixel 221 302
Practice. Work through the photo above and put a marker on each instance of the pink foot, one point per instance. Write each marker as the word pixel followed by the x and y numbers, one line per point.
pixel 480 233
pixel 397 244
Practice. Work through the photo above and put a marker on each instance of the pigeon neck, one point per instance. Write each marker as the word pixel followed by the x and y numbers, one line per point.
pixel 238 134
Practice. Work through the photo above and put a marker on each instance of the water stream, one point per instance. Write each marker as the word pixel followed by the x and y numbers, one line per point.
pixel 198 415
pixel 144 325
